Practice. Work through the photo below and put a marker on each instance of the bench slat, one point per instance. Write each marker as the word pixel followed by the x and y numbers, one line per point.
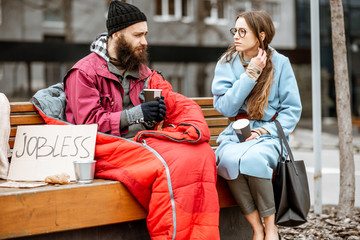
pixel 19 107
pixel 211 112
pixel 26 120
pixel 212 141
pixel 216 131
pixel 204 101
pixel 217 122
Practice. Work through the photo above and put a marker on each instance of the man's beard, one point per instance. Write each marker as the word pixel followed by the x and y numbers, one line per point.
pixel 129 58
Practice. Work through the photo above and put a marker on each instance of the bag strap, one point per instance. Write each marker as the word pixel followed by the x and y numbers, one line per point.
pixel 282 138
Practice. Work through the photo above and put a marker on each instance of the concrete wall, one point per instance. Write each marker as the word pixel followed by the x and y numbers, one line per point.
pixel 89 17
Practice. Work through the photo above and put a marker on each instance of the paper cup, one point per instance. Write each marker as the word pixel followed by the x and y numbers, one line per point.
pixel 84 170
pixel 152 94
pixel 242 129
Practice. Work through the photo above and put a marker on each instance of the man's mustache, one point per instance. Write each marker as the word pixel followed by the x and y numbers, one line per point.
pixel 144 48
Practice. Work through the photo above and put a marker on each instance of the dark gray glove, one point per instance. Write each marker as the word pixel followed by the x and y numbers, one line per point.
pixel 162 109
pixel 154 110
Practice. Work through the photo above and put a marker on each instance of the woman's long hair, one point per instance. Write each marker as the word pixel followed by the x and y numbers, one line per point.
pixel 258 21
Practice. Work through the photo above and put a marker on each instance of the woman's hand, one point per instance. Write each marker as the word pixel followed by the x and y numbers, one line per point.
pixel 252 136
pixel 260 59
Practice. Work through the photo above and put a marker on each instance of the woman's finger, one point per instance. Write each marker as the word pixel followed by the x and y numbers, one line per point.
pixel 252 136
pixel 264 57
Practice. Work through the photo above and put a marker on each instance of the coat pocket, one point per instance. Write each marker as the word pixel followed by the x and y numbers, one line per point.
pixel 107 102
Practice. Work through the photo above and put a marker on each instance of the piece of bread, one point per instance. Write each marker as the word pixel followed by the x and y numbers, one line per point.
pixel 58 179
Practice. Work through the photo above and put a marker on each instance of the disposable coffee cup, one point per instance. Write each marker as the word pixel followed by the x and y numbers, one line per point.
pixel 152 94
pixel 242 129
pixel 84 170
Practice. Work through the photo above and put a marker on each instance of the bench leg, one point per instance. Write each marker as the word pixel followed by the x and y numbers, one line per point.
pixel 233 225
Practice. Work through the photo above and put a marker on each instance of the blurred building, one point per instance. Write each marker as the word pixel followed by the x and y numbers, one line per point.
pixel 173 24
pixel 352 29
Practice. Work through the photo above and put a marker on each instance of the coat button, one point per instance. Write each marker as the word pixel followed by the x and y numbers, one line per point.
pixel 258 72
pixel 102 66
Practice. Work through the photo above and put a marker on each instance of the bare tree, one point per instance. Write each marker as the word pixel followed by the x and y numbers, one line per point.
pixel 347 165
pixel 68 20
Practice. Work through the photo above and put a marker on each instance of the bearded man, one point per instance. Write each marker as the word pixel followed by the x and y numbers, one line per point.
pixel 110 101
pixel 159 149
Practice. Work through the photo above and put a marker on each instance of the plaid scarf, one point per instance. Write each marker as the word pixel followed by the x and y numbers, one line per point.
pixel 99 46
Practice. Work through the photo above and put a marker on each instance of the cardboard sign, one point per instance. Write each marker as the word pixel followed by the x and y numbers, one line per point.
pixel 44 150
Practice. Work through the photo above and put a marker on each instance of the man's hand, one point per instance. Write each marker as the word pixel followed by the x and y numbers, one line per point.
pixel 154 110
pixel 162 109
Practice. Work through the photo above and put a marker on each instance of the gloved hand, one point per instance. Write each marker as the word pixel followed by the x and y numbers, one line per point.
pixel 154 110
pixel 162 109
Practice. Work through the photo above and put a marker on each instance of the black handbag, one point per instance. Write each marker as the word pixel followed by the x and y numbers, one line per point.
pixel 291 189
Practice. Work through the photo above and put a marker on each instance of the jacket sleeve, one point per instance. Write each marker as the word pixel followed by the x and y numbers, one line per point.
pixel 187 115
pixel 229 91
pixel 83 103
pixel 184 120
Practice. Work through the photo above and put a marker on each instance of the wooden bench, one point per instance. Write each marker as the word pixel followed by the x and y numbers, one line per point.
pixel 356 121
pixel 48 209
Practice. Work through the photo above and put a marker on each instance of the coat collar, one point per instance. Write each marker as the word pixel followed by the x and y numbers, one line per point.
pixel 103 70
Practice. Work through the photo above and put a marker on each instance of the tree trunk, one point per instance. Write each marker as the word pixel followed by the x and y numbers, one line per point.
pixel 347 165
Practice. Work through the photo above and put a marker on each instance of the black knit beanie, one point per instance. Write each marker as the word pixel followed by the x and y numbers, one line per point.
pixel 121 15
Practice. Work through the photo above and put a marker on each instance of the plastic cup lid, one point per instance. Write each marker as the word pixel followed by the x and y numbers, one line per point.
pixel 241 123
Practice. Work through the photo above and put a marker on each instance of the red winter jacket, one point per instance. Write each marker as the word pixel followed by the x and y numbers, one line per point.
pixel 171 171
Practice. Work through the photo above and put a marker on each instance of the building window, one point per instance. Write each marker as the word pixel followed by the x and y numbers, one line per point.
pixel 54 14
pixel 272 7
pixel 215 11
pixel 274 10
pixel 243 6
pixel 174 10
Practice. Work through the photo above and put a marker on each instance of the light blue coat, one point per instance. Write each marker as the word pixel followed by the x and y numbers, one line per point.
pixel 231 86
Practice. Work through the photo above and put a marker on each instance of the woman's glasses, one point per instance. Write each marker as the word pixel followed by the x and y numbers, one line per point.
pixel 241 31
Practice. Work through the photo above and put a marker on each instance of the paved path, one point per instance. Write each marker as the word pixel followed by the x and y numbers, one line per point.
pixel 302 147
pixel 330 175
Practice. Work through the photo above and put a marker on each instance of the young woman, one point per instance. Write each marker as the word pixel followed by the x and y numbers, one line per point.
pixel 254 81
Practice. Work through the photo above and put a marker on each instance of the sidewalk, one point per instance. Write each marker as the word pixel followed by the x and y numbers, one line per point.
pixel 301 143
pixel 302 137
